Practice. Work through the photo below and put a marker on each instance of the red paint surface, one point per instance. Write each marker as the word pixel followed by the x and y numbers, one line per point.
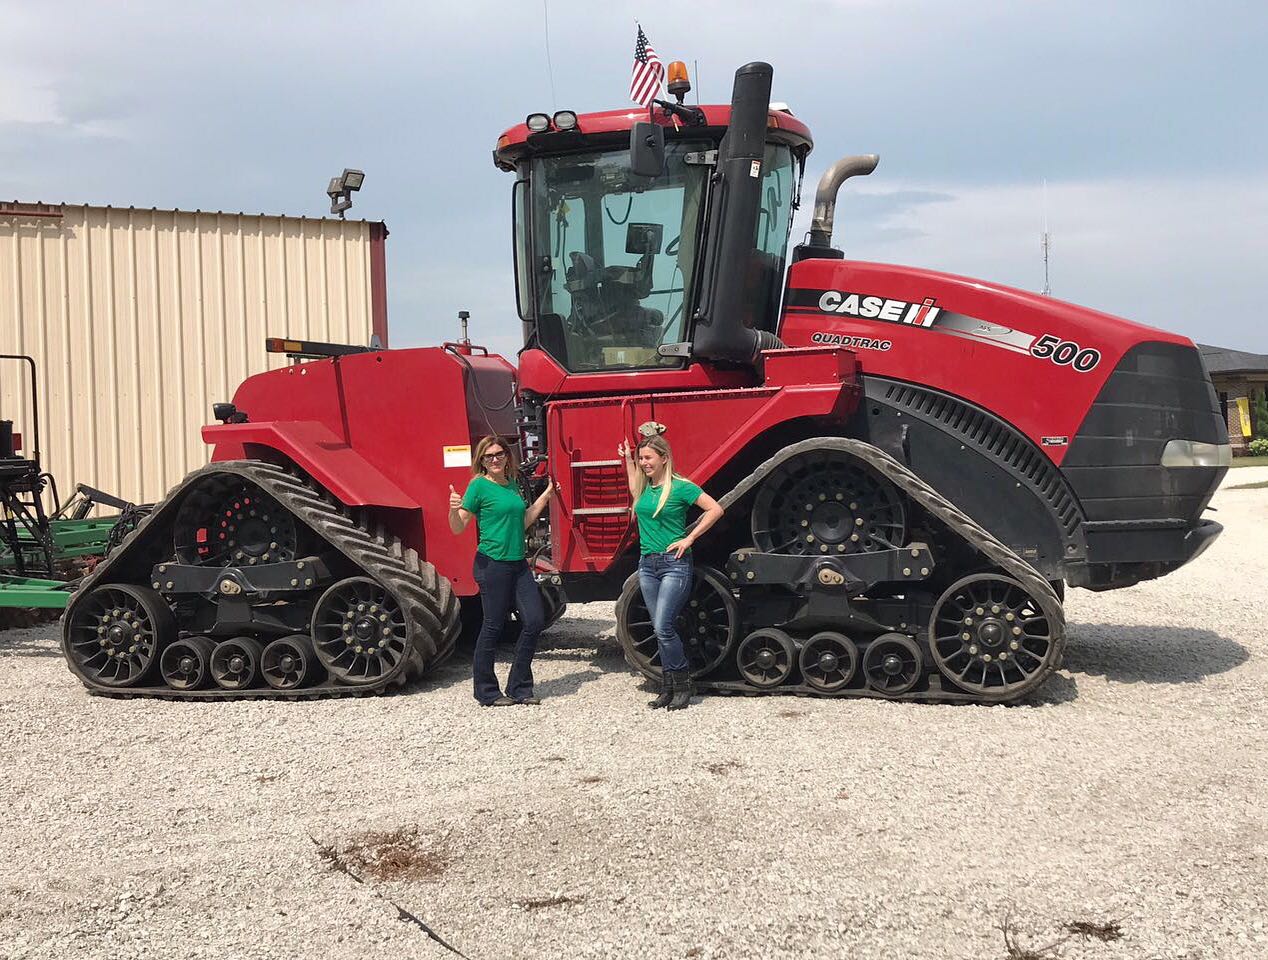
pixel 1038 397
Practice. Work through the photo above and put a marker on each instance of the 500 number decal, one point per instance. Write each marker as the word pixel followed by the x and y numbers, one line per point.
pixel 1065 353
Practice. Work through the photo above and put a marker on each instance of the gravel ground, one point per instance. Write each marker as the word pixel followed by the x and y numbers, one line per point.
pixel 1131 792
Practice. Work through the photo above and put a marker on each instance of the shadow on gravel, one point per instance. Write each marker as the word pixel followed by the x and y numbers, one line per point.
pixel 41 642
pixel 1135 654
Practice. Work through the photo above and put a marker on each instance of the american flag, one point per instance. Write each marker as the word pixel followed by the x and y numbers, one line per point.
pixel 648 74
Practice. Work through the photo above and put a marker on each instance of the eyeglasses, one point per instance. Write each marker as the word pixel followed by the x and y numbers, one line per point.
pixel 500 455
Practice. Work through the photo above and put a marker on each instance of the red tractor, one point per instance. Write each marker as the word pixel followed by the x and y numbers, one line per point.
pixel 913 464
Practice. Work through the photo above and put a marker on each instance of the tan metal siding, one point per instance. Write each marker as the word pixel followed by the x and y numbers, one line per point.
pixel 139 320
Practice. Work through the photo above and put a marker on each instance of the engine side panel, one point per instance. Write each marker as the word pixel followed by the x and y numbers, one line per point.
pixel 995 346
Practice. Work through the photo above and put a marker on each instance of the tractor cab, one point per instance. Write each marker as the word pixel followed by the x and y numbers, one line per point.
pixel 616 268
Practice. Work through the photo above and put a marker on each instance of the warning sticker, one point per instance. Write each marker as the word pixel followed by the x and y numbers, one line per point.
pixel 458 456
pixel 756 169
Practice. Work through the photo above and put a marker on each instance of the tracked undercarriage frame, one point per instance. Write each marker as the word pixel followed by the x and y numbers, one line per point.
pixel 248 582
pixel 858 580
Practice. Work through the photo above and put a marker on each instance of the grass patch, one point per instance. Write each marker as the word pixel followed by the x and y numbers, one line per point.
pixel 1106 932
pixel 1250 461
pixel 1250 486
pixel 541 903
pixel 723 767
pixel 594 778
pixel 400 854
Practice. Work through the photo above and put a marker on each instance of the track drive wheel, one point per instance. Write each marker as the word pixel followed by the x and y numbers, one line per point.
pixel 892 664
pixel 116 633
pixel 186 664
pixel 990 636
pixel 828 661
pixel 827 503
pixel 709 625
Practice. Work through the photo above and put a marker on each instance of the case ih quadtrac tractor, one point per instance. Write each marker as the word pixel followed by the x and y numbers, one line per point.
pixel 913 464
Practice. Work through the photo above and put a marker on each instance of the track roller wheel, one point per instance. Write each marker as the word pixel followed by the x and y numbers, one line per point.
pixel 235 664
pixel 766 657
pixel 990 636
pixel 186 664
pixel 709 625
pixel 892 664
pixel 288 663
pixel 827 503
pixel 116 633
pixel 828 661
pixel 359 631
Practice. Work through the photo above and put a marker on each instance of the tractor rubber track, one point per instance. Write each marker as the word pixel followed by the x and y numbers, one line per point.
pixel 427 599
pixel 955 521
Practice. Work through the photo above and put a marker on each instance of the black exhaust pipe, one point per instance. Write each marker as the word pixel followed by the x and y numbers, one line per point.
pixel 727 320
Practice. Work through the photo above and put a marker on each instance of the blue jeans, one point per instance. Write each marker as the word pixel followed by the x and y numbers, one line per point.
pixel 504 583
pixel 666 585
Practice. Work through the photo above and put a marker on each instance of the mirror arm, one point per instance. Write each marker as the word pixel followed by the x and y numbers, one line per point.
pixel 693 115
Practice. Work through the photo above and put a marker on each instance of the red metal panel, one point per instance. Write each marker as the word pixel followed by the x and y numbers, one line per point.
pixel 541 373
pixel 317 451
pixel 707 429
pixel 984 342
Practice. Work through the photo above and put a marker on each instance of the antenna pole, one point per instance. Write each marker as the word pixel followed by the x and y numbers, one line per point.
pixel 1046 242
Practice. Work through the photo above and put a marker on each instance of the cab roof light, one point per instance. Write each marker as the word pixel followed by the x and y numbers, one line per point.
pixel 537 122
pixel 676 80
pixel 566 120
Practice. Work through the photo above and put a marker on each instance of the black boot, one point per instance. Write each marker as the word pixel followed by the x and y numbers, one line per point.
pixel 680 681
pixel 666 693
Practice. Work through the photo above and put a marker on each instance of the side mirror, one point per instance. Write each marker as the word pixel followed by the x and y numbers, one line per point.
pixel 647 150
pixel 644 238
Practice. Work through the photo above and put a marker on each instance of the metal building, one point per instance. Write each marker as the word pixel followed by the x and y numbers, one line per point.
pixel 139 320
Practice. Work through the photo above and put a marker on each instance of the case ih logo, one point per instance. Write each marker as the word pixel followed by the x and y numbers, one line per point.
pixel 920 314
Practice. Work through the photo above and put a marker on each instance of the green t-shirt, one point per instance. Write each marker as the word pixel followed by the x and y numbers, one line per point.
pixel 656 533
pixel 499 513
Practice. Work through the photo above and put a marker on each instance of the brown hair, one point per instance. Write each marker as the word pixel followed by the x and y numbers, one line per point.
pixel 477 458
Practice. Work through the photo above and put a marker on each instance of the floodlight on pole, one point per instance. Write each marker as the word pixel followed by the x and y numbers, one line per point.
pixel 342 187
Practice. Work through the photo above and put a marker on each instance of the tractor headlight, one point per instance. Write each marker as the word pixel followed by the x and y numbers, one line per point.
pixel 537 122
pixel 565 120
pixel 1194 453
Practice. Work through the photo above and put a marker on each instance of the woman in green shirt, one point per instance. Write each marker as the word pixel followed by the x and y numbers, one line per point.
pixel 661 499
pixel 493 500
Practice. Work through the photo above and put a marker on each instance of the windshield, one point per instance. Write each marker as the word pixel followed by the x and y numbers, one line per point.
pixel 614 255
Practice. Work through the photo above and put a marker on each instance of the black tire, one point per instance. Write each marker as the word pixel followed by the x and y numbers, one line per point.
pixel 715 610
pixel 235 664
pixel 186 664
pixel 115 634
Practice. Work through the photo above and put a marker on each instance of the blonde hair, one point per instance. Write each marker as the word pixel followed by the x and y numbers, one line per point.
pixel 477 458
pixel 661 446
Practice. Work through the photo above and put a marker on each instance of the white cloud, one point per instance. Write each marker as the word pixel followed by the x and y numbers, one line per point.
pixel 26 96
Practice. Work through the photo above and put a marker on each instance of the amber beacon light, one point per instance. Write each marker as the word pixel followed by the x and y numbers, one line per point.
pixel 677 81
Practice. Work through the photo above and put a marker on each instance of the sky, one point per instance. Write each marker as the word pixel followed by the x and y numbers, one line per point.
pixel 1147 119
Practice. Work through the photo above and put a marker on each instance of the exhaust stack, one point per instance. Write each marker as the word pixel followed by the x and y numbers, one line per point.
pixel 826 195
pixel 726 327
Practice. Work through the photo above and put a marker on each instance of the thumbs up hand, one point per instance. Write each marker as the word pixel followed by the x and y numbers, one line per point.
pixel 455 498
